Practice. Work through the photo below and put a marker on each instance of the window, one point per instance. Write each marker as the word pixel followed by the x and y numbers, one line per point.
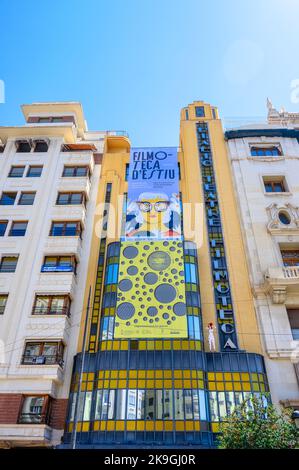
pixel 57 119
pixel 26 199
pixel 127 171
pixel 186 114
pixel 290 257
pixel 8 264
pixel 41 146
pixel 65 229
pixel 48 353
pixel 18 229
pixel 75 171
pixel 3 300
pixel 3 225
pixel 23 146
pixel 59 264
pixel 34 410
pixel 51 305
pixel 284 218
pixel 293 315
pixel 34 171
pixel 16 172
pixel 273 185
pixel 265 151
pixel 199 111
pixel 8 199
pixel 44 119
pixel 70 198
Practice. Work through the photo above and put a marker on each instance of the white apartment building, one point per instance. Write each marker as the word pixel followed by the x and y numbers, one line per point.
pixel 49 176
pixel 265 166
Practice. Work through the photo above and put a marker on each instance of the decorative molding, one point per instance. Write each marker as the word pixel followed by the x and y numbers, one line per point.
pixel 275 226
pixel 278 294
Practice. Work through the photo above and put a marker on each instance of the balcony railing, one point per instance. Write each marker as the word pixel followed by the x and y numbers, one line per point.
pixel 33 418
pixel 51 311
pixel 58 269
pixel 65 232
pixel 291 272
pixel 283 273
pixel 42 360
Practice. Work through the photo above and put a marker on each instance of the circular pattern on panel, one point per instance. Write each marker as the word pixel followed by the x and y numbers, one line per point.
pixel 159 265
pixel 159 260
pixel 125 310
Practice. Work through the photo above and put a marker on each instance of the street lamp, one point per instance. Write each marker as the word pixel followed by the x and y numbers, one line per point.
pixel 295 417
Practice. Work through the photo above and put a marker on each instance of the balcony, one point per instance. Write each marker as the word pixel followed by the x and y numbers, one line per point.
pixel 69 212
pixel 33 418
pixel 78 158
pixel 281 282
pixel 50 311
pixel 63 245
pixel 46 360
pixel 74 184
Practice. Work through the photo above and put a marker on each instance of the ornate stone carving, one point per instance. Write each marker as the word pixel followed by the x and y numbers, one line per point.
pixel 275 225
pixel 279 294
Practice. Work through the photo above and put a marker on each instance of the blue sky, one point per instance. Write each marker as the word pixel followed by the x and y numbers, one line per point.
pixel 134 64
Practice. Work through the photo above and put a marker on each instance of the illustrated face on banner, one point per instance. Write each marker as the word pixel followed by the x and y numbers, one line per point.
pixel 153 209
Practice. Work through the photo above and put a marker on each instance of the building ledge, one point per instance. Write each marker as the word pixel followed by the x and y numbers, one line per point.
pixel 24 434
pixel 281 353
pixel 281 281
pixel 67 132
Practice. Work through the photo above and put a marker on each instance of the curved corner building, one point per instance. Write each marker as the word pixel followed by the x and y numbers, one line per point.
pixel 144 373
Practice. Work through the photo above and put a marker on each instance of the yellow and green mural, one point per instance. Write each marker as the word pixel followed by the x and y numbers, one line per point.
pixel 151 299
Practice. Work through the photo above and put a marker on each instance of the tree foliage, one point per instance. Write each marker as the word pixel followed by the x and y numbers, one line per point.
pixel 257 425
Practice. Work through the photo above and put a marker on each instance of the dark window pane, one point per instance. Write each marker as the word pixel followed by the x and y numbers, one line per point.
pixel 41 147
pixel 199 111
pixel 18 229
pixel 68 171
pixel 3 300
pixel 23 147
pixel 278 187
pixel 57 229
pixel 8 199
pixel 8 264
pixel 81 171
pixel 26 199
pixel 63 198
pixel 34 171
pixel 16 172
pixel 3 225
pixel 76 198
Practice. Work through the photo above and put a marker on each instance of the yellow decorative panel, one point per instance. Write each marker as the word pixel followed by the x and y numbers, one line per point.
pixel 168 425
pixel 179 425
pixel 151 299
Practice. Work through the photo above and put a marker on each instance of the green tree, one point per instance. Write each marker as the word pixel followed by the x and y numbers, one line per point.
pixel 256 424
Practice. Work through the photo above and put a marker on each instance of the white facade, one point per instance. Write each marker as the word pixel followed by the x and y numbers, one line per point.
pixel 17 323
pixel 275 286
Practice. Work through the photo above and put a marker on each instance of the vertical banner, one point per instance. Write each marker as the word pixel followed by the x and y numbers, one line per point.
pixel 153 209
pixel 151 300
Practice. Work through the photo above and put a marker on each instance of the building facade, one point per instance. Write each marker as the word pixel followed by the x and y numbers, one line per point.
pixel 49 179
pixel 111 336
pixel 160 384
pixel 265 166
